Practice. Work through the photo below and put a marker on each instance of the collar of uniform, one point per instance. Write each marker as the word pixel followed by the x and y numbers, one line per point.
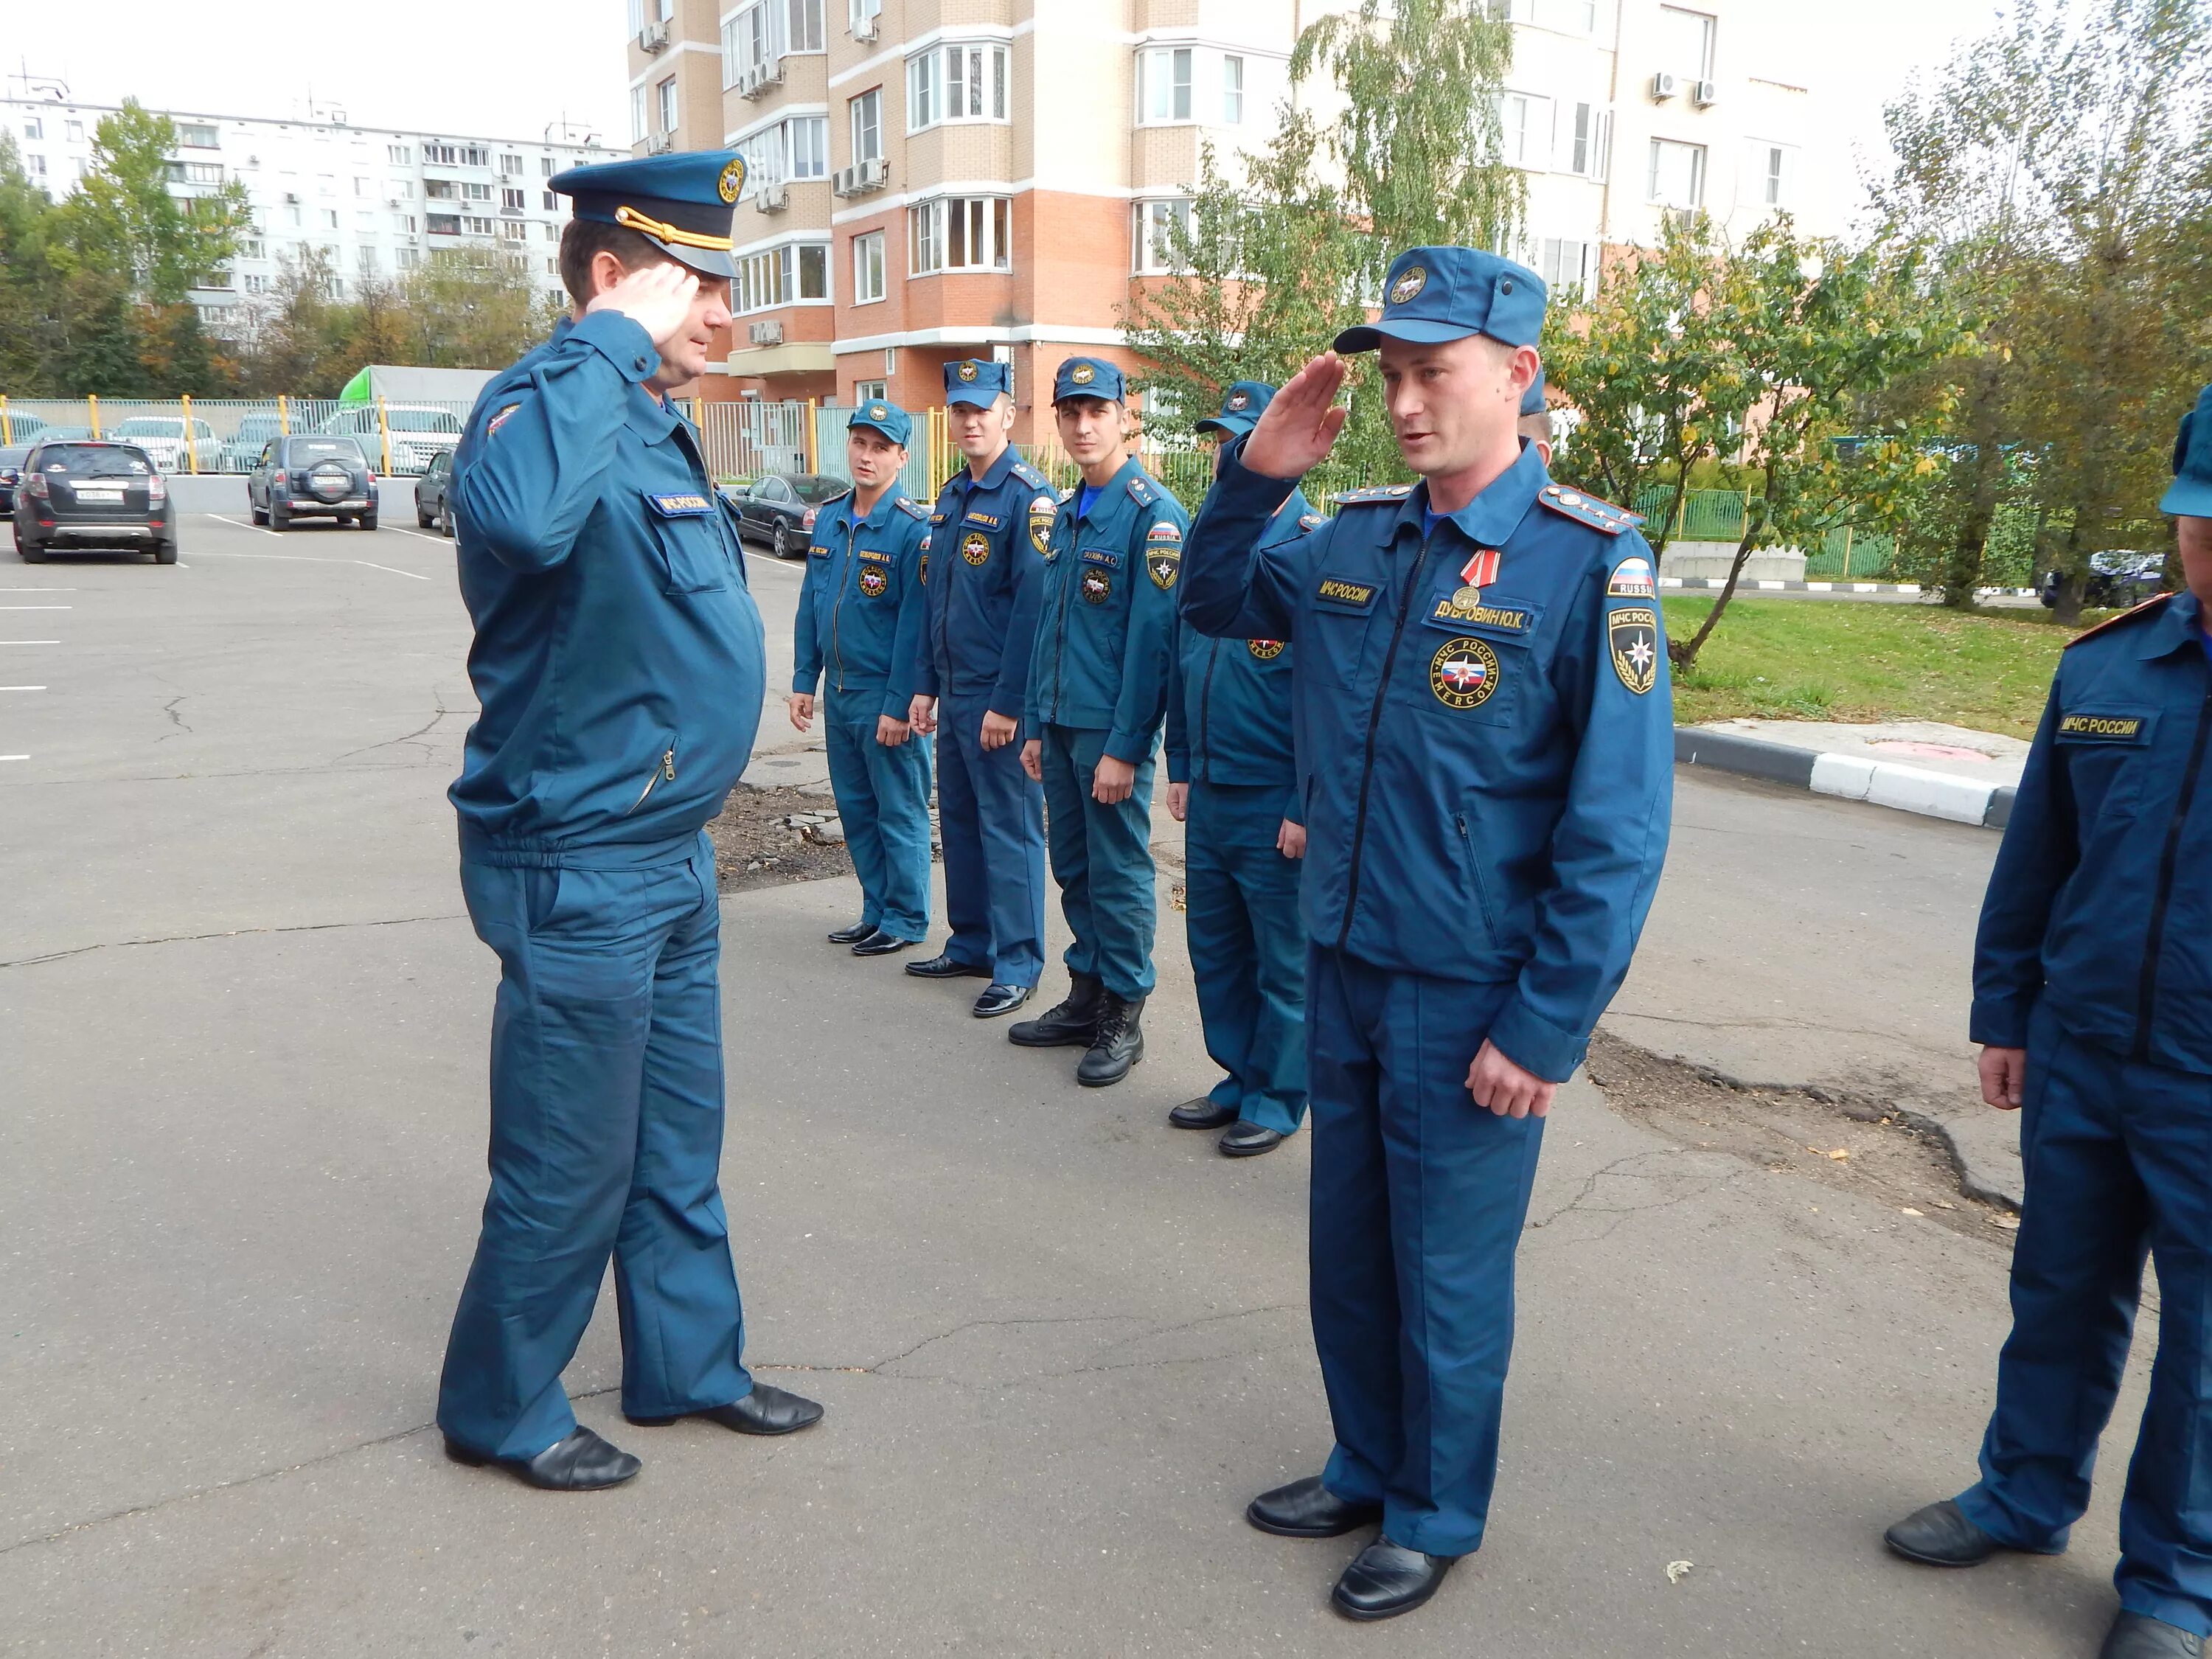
pixel 1492 516
pixel 1121 479
pixel 840 511
pixel 995 474
pixel 2176 627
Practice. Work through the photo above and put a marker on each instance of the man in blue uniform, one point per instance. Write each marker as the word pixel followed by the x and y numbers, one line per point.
pixel 861 622
pixel 1483 708
pixel 2092 1001
pixel 1535 423
pixel 985 550
pixel 1232 780
pixel 618 663
pixel 1097 695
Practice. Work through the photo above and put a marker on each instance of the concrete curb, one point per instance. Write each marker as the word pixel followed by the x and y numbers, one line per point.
pixel 1718 582
pixel 1880 783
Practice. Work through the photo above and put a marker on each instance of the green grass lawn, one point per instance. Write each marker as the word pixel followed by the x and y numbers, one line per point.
pixel 1837 660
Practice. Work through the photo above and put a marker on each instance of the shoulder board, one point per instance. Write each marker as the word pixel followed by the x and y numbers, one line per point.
pixel 1030 476
pixel 2145 609
pixel 1587 509
pixel 913 509
pixel 1141 491
pixel 1392 493
pixel 1067 495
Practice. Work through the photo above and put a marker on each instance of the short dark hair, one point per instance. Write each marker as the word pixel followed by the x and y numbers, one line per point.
pixel 584 240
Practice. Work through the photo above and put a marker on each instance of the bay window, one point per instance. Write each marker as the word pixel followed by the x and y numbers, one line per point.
pixel 781 276
pixel 960 233
pixel 965 81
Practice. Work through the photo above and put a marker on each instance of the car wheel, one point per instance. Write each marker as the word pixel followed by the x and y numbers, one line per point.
pixel 279 516
pixel 775 542
pixel 424 520
pixel 29 551
pixel 258 514
pixel 367 521
pixel 165 552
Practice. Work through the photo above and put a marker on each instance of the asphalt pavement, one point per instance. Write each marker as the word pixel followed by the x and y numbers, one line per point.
pixel 242 1028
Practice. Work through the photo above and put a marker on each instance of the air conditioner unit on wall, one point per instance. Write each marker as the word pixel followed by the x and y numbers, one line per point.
pixel 661 143
pixel 860 178
pixel 766 334
pixel 1705 94
pixel 866 32
pixel 1663 87
pixel 653 37
pixel 760 78
pixel 773 199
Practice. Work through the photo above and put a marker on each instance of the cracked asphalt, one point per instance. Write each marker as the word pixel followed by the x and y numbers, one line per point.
pixel 242 1046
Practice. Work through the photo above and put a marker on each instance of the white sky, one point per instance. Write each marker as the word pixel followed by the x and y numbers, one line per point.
pixel 506 68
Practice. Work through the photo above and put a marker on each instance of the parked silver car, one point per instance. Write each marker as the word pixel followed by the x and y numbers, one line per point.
pixel 418 431
pixel 165 441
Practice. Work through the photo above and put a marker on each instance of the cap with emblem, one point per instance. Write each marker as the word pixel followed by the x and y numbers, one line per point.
pixel 1437 293
pixel 2191 494
pixel 1532 400
pixel 977 380
pixel 1240 406
pixel 887 418
pixel 1088 377
pixel 680 203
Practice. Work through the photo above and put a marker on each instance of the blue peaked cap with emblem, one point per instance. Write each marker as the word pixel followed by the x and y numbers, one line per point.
pixel 887 418
pixel 2191 494
pixel 1241 408
pixel 977 380
pixel 680 203
pixel 1088 377
pixel 1437 293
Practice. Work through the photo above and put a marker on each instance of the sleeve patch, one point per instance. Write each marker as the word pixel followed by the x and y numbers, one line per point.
pixel 1165 530
pixel 1631 637
pixel 1164 565
pixel 1631 580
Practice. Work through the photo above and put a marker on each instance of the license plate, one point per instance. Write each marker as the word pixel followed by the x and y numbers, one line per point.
pixel 103 492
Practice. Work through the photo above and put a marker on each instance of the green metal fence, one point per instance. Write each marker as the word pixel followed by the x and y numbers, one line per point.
pixel 1718 515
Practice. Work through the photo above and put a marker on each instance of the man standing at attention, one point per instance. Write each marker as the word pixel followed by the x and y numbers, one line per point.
pixel 2092 1001
pixel 985 546
pixel 1097 695
pixel 619 665
pixel 1482 695
pixel 859 620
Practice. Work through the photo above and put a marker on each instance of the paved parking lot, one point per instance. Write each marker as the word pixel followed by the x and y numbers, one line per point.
pixel 241 1042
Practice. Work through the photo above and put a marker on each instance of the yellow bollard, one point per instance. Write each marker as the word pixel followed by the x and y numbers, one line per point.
pixel 384 435
pixel 93 403
pixel 806 438
pixel 192 443
pixel 283 415
pixel 7 427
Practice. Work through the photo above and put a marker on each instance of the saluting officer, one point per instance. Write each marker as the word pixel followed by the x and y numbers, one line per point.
pixel 1233 781
pixel 1098 695
pixel 1482 691
pixel 861 622
pixel 2092 1001
pixel 986 540
pixel 619 664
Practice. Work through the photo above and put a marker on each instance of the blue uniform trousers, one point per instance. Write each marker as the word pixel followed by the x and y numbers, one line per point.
pixel 1248 951
pixel 2118 1161
pixel 883 801
pixel 990 817
pixel 606 1138
pixel 1102 857
pixel 1418 1196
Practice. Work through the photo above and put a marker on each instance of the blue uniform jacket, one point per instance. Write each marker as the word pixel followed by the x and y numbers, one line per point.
pixel 1107 611
pixel 2101 899
pixel 860 606
pixel 618 657
pixel 1229 700
pixel 986 547
pixel 1488 782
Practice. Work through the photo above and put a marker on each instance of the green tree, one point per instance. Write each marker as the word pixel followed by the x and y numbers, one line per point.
pixel 122 219
pixel 473 308
pixel 31 339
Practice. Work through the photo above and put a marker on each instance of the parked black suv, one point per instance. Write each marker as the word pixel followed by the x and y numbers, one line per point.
pixel 314 476
pixel 93 495
pixel 2113 579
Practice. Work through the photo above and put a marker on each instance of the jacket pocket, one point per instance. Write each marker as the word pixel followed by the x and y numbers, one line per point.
pixel 688 547
pixel 1471 863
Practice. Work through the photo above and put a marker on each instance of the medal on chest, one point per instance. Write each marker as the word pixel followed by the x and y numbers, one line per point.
pixel 1477 574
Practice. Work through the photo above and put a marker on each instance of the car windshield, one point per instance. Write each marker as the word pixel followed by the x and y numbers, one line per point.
pixel 258 425
pixel 91 461
pixel 814 489
pixel 421 420
pixel 150 426
pixel 343 449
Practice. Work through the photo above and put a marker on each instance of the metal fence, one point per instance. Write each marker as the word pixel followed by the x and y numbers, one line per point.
pixel 1718 515
pixel 227 435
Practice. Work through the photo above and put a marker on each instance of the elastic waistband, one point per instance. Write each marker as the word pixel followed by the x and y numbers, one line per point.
pixel 479 847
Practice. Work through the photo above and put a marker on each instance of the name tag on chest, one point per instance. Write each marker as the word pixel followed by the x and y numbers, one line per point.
pixel 679 504
pixel 1506 618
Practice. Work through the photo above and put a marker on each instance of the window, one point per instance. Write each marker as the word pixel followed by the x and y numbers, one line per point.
pixel 1572 16
pixel 868 268
pixel 546 166
pixel 871 392
pixel 441 190
pixel 514 230
pixel 1517 11
pixel 407 259
pixel 864 12
pixel 255 284
pixel 1566 266
pixel 1677 174
pixel 366 257
pixel 1525 123
pixel 252 248
pixel 74 132
pixel 867 117
pixel 1157 223
pixel 36 165
pixel 326 184
pixel 474 192
pixel 780 277
pixel 510 201
pixel 667 104
pixel 960 233
pixel 477 227
pixel 33 127
pixel 191 173
pixel 365 218
pixel 198 135
pixel 636 113
pixel 1774 168
pixel 1589 140
pixel 552 232
pixel 1163 85
pixel 327 218
pixel 403 187
pixel 1232 89
pixel 510 163
pixel 404 223
pixel 292 215
pixel 810 146
pixel 963 82
pixel 1687 43
pixel 400 155
pixel 551 202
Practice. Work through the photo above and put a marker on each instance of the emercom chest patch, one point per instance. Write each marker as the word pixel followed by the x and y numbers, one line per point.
pixel 687 504
pixel 1335 593
pixel 2087 726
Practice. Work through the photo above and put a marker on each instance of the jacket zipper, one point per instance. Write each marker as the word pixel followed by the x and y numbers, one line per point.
pixel 1475 873
pixel 837 608
pixel 1367 761
pixel 2154 937
pixel 665 770
pixel 1206 710
pixel 1059 629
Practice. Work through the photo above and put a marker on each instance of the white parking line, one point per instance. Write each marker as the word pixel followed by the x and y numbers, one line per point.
pixel 37 607
pixel 417 575
pixel 30 641
pixel 256 528
pixel 9 758
pixel 302 558
pixel 37 590
pixel 770 560
pixel 22 688
pixel 417 535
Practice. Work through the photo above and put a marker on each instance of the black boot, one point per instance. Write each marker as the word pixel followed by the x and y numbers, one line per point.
pixel 1070 1025
pixel 1119 1044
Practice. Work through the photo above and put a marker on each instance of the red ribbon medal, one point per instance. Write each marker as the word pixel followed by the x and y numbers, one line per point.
pixel 1478 573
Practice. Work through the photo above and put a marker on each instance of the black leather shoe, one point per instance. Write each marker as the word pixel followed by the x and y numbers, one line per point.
pixel 1069 1024
pixel 945 965
pixel 1118 1046
pixel 766 1410
pixel 853 935
pixel 1248 1140
pixel 580 1463
pixel 1306 1509
pixel 883 945
pixel 1386 1579
pixel 1000 999
pixel 1201 1114
pixel 1940 1536
pixel 2138 1635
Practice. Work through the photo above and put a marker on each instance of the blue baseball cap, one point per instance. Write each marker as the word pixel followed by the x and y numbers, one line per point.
pixel 1437 293
pixel 887 418
pixel 1241 408
pixel 679 203
pixel 1088 377
pixel 2191 494
pixel 977 380
pixel 1532 400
